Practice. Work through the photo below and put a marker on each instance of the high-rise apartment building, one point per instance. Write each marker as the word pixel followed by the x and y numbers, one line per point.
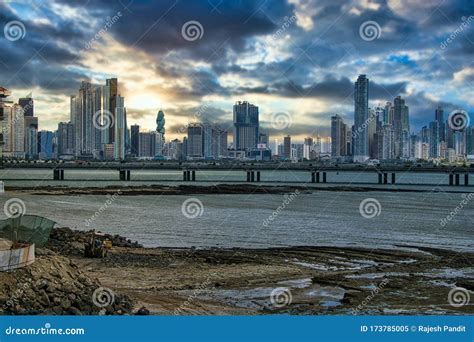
pixel 246 126
pixel 361 116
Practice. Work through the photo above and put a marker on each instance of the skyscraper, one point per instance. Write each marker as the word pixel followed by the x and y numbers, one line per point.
pixel 338 137
pixel 361 115
pixel 287 147
pixel 119 143
pixel 45 144
pixel 135 140
pixel 65 137
pixel 112 90
pixel 195 141
pixel 27 104
pixel 308 148
pixel 246 125
pixel 401 127
pixel 439 117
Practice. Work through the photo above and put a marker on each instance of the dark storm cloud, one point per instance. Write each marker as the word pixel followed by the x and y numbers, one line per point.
pixel 322 62
pixel 329 88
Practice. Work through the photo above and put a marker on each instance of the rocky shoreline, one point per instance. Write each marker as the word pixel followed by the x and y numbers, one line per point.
pixel 184 281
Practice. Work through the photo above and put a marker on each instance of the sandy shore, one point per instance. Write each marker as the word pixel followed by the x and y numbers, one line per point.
pixel 298 280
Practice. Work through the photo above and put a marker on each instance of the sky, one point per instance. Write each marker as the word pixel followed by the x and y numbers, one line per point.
pixel 295 59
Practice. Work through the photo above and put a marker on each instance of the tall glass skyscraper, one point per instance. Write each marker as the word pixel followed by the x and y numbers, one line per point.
pixel 361 116
pixel 246 126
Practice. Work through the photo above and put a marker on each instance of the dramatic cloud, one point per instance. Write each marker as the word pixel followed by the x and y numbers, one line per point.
pixel 296 56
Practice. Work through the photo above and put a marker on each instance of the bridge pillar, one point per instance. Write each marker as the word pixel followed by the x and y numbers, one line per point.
pixel 313 177
pixel 248 176
pixel 127 174
pixel 456 175
pixel 466 179
pixel 380 177
pixel 317 177
pixel 385 178
pixel 451 179
pixel 324 177
pixel 193 175
pixel 185 178
pixel 58 174
pixel 393 177
pixel 252 176
pixel 122 175
pixel 258 176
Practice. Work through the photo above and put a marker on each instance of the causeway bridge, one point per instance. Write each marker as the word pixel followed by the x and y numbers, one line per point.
pixel 254 171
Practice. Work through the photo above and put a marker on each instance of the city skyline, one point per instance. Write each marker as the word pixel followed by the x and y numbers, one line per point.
pixel 272 59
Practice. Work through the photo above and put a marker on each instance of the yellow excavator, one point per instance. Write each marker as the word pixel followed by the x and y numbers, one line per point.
pixel 97 245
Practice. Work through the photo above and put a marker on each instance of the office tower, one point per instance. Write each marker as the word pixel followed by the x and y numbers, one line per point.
pixel 439 117
pixel 470 140
pixel 307 148
pixel 388 149
pixel 460 143
pixel 45 145
pixel 372 125
pixel 135 140
pixel 5 109
pixel 338 137
pixel 119 143
pixel 401 127
pixel 27 103
pixel 145 148
pixel 195 141
pixel 84 126
pixel 112 92
pixel 434 140
pixel 31 142
pixel 208 133
pixel 65 139
pixel 14 132
pixel 246 125
pixel 387 114
pixel 287 147
pixel 361 116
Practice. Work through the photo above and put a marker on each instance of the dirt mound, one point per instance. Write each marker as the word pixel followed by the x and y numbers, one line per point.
pixel 53 285
pixel 66 241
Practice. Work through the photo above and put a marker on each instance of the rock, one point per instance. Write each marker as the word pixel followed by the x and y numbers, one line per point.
pixel 44 299
pixel 65 303
pixel 143 311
